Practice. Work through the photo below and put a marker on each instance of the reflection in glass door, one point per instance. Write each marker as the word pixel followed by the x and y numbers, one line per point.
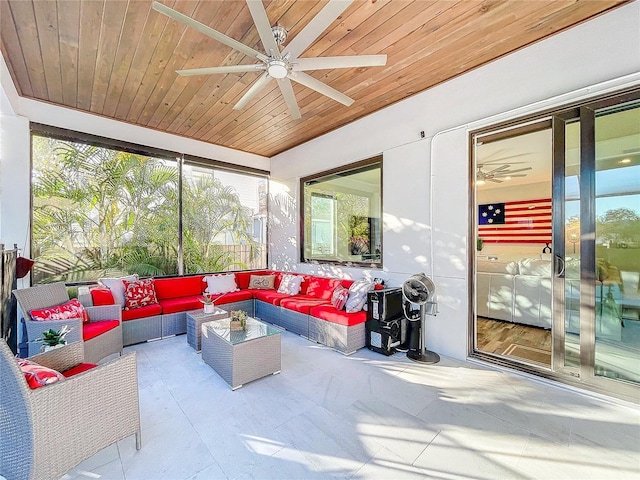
pixel 617 242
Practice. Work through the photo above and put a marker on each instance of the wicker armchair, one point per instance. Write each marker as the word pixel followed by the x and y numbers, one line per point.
pixel 43 296
pixel 47 431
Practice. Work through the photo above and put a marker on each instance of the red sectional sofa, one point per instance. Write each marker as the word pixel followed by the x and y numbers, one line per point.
pixel 309 313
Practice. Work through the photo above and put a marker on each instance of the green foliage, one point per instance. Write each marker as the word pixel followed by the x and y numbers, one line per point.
pixel 100 212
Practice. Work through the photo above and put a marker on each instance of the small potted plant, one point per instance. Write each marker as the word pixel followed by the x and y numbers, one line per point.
pixel 209 303
pixel 238 320
pixel 53 338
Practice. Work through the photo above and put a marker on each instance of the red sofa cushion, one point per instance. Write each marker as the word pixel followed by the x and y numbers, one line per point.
pixel 269 296
pixel 142 312
pixel 174 305
pixel 234 297
pixel 83 367
pixel 177 287
pixel 36 375
pixel 330 314
pixel 321 287
pixel 101 296
pixel 302 304
pixel 93 329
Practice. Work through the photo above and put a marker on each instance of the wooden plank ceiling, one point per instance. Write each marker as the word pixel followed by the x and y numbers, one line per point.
pixel 117 58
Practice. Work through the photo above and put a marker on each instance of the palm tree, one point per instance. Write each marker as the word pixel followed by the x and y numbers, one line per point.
pixel 100 211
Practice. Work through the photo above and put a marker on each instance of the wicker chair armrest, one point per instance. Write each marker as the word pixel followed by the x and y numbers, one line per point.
pixel 34 330
pixel 84 296
pixel 62 358
pixel 104 312
pixel 104 404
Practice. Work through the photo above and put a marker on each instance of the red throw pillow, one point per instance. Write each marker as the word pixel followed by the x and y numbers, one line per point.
pixel 340 297
pixel 102 296
pixel 71 309
pixel 139 293
pixel 38 376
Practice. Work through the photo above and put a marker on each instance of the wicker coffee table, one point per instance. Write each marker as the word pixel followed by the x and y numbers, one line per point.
pixel 241 356
pixel 195 319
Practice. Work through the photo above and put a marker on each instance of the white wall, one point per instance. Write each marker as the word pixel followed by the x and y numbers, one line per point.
pixel 426 223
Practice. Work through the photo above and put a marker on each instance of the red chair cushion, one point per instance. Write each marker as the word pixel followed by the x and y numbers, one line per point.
pixel 302 304
pixel 36 375
pixel 93 329
pixel 177 287
pixel 83 367
pixel 139 293
pixel 101 296
pixel 68 310
pixel 330 314
pixel 321 287
pixel 142 312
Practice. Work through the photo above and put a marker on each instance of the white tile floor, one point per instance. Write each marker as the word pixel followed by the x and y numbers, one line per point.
pixel 363 416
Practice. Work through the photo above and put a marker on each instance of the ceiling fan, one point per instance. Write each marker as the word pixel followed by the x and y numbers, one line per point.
pixel 499 174
pixel 282 65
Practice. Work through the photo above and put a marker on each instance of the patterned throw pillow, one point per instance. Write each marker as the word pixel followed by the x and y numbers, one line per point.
pixel 38 376
pixel 358 295
pixel 116 286
pixel 340 297
pixel 139 293
pixel 290 284
pixel 68 310
pixel 262 282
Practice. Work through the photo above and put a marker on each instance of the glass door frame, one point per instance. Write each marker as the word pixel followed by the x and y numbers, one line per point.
pixel 583 376
pixel 587 118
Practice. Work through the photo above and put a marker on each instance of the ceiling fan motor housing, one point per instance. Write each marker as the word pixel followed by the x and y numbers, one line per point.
pixel 278 68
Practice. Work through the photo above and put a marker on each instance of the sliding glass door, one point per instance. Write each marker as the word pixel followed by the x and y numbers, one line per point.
pixel 577 297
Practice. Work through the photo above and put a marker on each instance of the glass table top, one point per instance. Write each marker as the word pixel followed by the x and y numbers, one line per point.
pixel 254 329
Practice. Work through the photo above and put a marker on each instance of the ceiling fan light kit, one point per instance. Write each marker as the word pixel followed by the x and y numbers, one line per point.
pixel 284 65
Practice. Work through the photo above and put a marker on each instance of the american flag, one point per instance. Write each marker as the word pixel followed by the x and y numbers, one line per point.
pixel 526 221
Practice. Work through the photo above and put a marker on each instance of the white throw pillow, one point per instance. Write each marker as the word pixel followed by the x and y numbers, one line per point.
pixel 223 283
pixel 358 295
pixel 290 284
pixel 117 287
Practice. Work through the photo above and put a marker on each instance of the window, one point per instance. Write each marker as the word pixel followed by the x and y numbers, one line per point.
pixel 102 210
pixel 341 211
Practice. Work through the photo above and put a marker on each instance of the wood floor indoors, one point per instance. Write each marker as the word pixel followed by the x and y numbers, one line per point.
pixel 524 342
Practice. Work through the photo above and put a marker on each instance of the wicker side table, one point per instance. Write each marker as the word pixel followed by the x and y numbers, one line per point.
pixel 195 319
pixel 241 356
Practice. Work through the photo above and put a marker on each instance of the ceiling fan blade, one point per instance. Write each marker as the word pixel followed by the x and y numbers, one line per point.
pixel 223 69
pixel 497 170
pixel 517 170
pixel 346 61
pixel 255 88
pixel 320 87
pixel 494 180
pixel 202 28
pixel 316 26
pixel 261 21
pixel 504 175
pixel 289 97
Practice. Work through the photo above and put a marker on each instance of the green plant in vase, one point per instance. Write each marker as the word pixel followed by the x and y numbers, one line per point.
pixel 208 302
pixel 238 319
pixel 53 338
